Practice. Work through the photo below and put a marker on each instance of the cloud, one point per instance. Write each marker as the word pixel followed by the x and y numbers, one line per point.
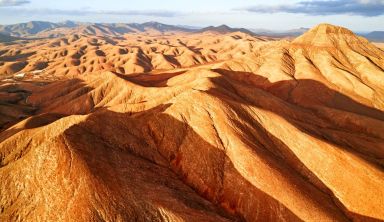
pixel 7 3
pixel 140 12
pixel 87 12
pixel 368 8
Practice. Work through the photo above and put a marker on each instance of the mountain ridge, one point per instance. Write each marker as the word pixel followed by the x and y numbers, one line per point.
pixel 39 28
pixel 31 29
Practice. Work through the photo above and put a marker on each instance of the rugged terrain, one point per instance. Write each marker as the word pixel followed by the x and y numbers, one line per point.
pixel 205 126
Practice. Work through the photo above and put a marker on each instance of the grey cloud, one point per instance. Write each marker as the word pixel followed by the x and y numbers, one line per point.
pixel 368 8
pixel 7 3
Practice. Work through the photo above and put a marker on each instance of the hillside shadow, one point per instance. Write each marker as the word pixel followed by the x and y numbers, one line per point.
pixel 18 57
pixel 305 97
pixel 314 90
pixel 128 164
pixel 12 105
pixel 148 79
pixel 30 112
pixel 173 145
pixel 172 59
pixel 192 48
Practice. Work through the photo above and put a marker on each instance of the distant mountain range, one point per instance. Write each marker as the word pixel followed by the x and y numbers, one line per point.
pixel 41 29
pixel 287 33
pixel 7 38
pixel 376 36
pixel 49 29
pixel 225 29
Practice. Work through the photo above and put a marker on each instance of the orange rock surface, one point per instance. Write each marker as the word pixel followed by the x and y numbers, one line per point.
pixel 193 127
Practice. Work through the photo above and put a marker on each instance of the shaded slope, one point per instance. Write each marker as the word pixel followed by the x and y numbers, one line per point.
pixel 83 182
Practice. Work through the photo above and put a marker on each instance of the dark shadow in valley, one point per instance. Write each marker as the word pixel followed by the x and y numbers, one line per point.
pixel 192 48
pixel 15 108
pixel 315 92
pixel 305 97
pixel 150 80
pixel 172 59
pixel 18 57
pixel 133 169
pixel 290 94
pixel 169 145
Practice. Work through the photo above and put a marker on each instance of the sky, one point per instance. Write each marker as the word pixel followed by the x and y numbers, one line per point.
pixel 358 15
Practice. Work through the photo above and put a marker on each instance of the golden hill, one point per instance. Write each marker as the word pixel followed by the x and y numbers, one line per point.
pixel 193 127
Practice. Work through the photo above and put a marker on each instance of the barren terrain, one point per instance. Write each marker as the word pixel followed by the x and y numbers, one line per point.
pixel 205 126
